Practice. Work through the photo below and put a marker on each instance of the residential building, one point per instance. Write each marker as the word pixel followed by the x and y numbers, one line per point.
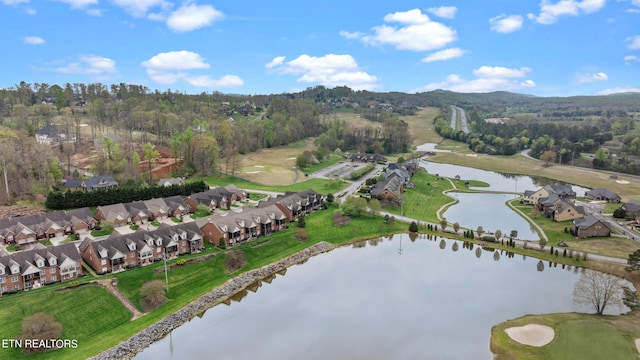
pixel 119 252
pixel 602 194
pixel 96 182
pixel 590 226
pixel 29 269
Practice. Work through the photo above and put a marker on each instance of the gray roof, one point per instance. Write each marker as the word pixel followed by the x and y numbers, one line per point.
pixel 602 193
pixel 588 221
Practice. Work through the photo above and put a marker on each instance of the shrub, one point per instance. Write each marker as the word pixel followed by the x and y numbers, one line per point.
pixel 39 326
pixel 234 261
pixel 152 295
pixel 413 227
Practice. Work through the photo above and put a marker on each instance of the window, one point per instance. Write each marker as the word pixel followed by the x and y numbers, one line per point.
pixel 53 261
pixel 1 270
pixel 3 280
pixel 54 279
pixel 4 289
pixel 104 261
pixel 52 270
pixel 16 287
pixel 40 263
pixel 14 278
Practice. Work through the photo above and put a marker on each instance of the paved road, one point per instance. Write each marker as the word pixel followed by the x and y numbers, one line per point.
pixel 463 119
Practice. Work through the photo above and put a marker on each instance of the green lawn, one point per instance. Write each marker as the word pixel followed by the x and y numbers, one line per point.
pixel 577 336
pixel 423 201
pixel 331 159
pixel 88 313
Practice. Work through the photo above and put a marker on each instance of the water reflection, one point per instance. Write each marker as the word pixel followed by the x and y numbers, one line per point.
pixel 371 303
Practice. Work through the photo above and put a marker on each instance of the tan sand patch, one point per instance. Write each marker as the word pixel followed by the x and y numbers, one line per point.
pixel 623 182
pixel 472 155
pixel 638 344
pixel 532 334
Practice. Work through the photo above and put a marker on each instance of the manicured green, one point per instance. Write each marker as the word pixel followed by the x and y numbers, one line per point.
pixel 577 336
pixel 590 339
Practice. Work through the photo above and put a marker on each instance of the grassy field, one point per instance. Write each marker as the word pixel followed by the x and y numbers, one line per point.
pixel 578 336
pixel 274 166
pixel 421 125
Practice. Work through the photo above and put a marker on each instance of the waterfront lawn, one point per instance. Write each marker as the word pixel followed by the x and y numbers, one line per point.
pixel 607 246
pixel 577 336
pixel 423 201
pixel 88 314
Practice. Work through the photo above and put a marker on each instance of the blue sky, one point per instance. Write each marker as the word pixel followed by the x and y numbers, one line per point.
pixel 545 48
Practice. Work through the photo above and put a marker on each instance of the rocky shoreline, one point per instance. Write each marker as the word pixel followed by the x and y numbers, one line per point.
pixel 127 349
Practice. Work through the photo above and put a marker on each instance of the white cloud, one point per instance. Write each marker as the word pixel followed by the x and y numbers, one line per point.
pixel 191 17
pixel 506 24
pixel 88 65
pixel 634 42
pixel 416 32
pixel 176 60
pixel 329 70
pixel 589 78
pixel 549 13
pixel 33 40
pixel 94 12
pixel 445 54
pixel 139 8
pixel 629 59
pixel 275 62
pixel 447 12
pixel 79 4
pixel 351 35
pixel 620 90
pixel 488 78
pixel 174 66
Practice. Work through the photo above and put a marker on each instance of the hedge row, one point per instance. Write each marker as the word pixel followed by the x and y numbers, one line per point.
pixel 79 199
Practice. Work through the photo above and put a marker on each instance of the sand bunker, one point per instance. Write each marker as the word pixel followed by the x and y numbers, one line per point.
pixel 252 172
pixel 472 155
pixel 623 182
pixel 638 344
pixel 532 334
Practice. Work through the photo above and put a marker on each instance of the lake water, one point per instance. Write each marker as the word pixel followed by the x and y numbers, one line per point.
pixel 490 212
pixel 381 299
pixel 497 181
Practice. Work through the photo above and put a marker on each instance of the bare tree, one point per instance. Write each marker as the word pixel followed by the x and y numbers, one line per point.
pixel 598 289
pixel 152 295
pixel 39 326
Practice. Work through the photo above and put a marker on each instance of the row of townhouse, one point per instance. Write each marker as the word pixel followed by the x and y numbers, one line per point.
pixel 294 204
pixel 143 211
pixel 30 269
pixel 120 252
pixel 29 229
pixel 270 216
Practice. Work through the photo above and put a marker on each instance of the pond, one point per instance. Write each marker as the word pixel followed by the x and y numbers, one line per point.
pixel 490 212
pixel 381 299
pixel 497 181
